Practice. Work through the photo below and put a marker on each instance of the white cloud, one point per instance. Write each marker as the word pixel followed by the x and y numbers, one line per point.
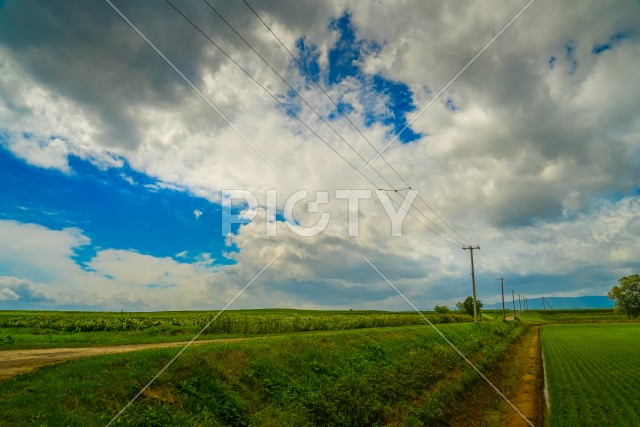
pixel 7 294
pixel 14 289
pixel 47 154
pixel 526 167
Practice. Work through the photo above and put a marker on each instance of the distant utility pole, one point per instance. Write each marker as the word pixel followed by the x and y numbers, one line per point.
pixel 473 281
pixel 520 303
pixel 526 304
pixel 543 305
pixel 513 298
pixel 504 316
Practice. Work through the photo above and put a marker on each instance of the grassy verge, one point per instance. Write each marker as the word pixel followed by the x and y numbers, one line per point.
pixel 573 316
pixel 33 338
pixel 593 372
pixel 390 376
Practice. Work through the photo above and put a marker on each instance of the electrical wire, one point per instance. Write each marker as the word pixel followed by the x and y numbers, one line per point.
pixel 323 119
pixel 324 91
pixel 448 238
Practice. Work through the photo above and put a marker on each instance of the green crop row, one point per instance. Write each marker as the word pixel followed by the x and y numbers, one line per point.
pixel 592 374
pixel 227 323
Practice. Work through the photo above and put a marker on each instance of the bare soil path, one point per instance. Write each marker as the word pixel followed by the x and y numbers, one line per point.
pixel 519 376
pixel 528 393
pixel 14 362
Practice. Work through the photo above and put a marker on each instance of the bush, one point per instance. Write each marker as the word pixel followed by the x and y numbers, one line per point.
pixel 441 309
pixel 466 306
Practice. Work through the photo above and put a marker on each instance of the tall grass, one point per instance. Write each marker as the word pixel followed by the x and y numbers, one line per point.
pixel 252 322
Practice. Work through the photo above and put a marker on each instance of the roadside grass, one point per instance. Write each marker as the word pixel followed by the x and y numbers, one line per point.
pixel 573 316
pixel 24 329
pixel 391 376
pixel 34 338
pixel 593 372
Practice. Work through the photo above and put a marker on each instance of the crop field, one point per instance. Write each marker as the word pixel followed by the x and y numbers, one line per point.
pixel 24 329
pixel 593 372
pixel 304 367
pixel 573 316
pixel 404 375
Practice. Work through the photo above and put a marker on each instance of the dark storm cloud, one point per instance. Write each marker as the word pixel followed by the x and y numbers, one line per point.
pixel 86 52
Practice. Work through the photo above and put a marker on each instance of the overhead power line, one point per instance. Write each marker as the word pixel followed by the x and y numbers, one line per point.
pixel 346 116
pixel 297 93
pixel 448 238
pixel 322 118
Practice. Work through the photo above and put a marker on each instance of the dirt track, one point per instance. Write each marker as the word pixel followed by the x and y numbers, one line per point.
pixel 14 362
pixel 528 395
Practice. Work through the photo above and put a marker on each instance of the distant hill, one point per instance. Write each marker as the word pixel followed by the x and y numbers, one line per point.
pixel 558 303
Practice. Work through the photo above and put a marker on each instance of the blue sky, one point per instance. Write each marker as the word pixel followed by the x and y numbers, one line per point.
pixel 120 208
pixel 345 60
pixel 125 209
pixel 116 208
pixel 106 154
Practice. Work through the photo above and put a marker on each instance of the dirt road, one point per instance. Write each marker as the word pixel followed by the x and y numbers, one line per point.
pixel 14 362
pixel 528 395
pixel 519 376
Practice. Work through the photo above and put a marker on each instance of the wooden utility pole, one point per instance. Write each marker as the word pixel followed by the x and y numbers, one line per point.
pixel 543 305
pixel 473 281
pixel 504 315
pixel 513 299
pixel 520 303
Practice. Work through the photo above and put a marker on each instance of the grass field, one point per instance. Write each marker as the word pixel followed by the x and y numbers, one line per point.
pixel 316 368
pixel 389 376
pixel 593 372
pixel 40 329
pixel 572 316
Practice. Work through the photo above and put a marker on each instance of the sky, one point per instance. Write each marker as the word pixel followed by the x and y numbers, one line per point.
pixel 119 181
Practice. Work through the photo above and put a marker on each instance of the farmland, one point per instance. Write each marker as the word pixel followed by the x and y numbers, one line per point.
pixel 301 367
pixel 391 375
pixel 24 329
pixel 592 372
pixel 572 316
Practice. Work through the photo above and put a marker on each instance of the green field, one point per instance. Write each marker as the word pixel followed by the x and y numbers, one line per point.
pixel 47 329
pixel 572 316
pixel 317 368
pixel 593 372
pixel 389 376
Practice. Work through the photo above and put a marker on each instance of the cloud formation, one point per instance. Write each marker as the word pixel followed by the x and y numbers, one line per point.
pixel 533 152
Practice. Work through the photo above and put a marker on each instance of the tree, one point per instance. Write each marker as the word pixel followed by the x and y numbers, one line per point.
pixel 627 295
pixel 441 309
pixel 466 306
